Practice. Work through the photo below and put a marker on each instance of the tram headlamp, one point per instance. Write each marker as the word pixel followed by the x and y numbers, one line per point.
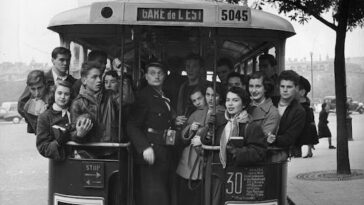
pixel 106 12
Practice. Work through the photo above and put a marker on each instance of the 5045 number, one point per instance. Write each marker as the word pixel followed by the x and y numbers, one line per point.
pixel 234 15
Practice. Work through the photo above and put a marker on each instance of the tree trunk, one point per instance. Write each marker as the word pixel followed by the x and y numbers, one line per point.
pixel 343 164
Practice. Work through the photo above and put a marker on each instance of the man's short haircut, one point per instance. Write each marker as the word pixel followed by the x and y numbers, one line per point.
pixel 196 57
pixel 236 74
pixel 156 63
pixel 323 105
pixel 220 90
pixel 243 95
pixel 198 89
pixel 175 64
pixel 289 75
pixel 87 66
pixel 226 62
pixel 61 51
pixel 35 77
pixel 268 84
pixel 270 58
pixel 112 73
pixel 93 55
pixel 303 83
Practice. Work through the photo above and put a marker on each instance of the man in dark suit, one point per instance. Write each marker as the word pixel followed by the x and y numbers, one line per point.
pixel 149 131
pixel 61 58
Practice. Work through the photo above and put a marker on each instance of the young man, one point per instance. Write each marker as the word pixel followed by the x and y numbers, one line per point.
pixel 97 57
pixel 61 60
pixel 309 134
pixel 37 103
pixel 195 78
pixel 235 79
pixel 224 68
pixel 95 105
pixel 174 80
pixel 149 128
pixel 292 117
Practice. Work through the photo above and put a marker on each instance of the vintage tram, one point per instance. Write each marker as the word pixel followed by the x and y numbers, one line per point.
pixel 135 31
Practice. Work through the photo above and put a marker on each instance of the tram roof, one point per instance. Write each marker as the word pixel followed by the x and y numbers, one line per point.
pixel 131 15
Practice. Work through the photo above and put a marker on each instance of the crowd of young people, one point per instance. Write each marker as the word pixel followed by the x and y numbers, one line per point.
pixel 258 118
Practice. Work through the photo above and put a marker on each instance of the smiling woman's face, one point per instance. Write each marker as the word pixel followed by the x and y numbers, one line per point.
pixel 233 103
pixel 256 89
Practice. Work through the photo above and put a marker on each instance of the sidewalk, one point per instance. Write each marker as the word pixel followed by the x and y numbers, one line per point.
pixel 351 192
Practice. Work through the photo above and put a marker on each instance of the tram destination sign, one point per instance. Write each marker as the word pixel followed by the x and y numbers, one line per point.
pixel 93 174
pixel 168 14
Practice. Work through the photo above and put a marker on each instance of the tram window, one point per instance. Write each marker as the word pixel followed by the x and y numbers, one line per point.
pixel 76 59
pixel 210 75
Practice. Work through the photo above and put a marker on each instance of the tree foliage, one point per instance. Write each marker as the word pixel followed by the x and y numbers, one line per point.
pixel 346 15
pixel 303 10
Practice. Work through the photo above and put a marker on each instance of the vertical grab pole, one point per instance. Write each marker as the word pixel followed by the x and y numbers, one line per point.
pixel 208 168
pixel 214 78
pixel 120 130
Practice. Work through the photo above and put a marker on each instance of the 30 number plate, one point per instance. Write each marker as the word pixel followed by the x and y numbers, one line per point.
pixel 236 14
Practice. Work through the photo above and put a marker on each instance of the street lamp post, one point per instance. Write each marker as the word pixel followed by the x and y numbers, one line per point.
pixel 311 54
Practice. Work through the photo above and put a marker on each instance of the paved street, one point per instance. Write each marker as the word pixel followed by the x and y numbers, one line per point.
pixel 304 192
pixel 23 172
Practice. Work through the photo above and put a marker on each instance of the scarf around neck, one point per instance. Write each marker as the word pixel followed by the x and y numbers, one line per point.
pixel 231 129
pixel 64 111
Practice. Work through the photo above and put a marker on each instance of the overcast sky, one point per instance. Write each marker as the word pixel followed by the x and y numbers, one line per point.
pixel 24 35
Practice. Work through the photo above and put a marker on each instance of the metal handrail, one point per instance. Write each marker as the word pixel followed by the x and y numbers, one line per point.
pixel 98 144
pixel 210 147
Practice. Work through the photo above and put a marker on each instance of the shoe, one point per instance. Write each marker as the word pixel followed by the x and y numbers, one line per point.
pixel 308 155
pixel 332 147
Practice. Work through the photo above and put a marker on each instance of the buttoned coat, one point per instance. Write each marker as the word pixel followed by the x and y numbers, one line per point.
pixel 150 110
pixel 50 139
pixel 266 115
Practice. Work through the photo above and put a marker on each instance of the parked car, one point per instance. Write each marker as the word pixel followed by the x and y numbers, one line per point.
pixel 3 112
pixel 353 106
pixel 11 114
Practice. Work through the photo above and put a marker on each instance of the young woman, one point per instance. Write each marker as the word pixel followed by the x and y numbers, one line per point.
pixel 261 108
pixel 111 81
pixel 323 129
pixel 189 169
pixel 241 140
pixel 53 127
